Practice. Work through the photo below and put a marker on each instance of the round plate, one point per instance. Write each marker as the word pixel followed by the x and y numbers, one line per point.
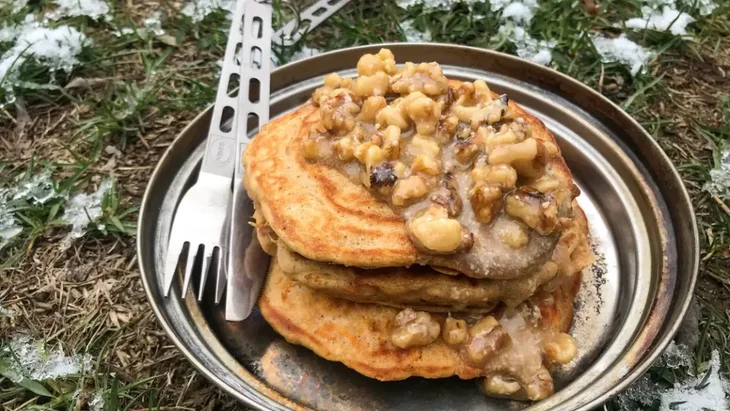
pixel 631 301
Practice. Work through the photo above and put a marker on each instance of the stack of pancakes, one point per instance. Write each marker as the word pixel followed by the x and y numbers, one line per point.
pixel 343 267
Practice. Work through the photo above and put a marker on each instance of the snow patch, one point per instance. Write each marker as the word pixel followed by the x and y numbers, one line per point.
pixel 622 50
pixel 700 394
pixel 30 359
pixel 667 18
pixel 536 51
pixel 94 9
pixel 518 11
pixel 413 35
pixel 154 24
pixel 706 7
pixel 36 189
pixel 719 184
pixel 56 48
pixel 83 209
pixel 436 4
pixel 198 9
pixel 97 402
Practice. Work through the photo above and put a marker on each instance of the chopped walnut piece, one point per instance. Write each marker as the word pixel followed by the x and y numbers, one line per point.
pixel 537 210
pixel 500 385
pixel 391 142
pixel 423 145
pixel 454 331
pixel 540 386
pixel 375 85
pixel 426 165
pixel 446 129
pixel 317 147
pixel 393 115
pixel 332 80
pixel 370 64
pixel 515 235
pixel 370 108
pixel 408 190
pixel 465 151
pixel 414 328
pixel 485 200
pixel 509 153
pixel 338 111
pixel 345 148
pixel 501 174
pixel 424 112
pixel 434 231
pixel 487 338
pixel 559 348
pixel 428 78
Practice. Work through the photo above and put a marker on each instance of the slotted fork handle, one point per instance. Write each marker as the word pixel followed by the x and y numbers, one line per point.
pixel 308 20
pixel 244 285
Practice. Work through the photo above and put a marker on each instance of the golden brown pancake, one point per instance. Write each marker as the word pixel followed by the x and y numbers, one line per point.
pixel 419 287
pixel 357 334
pixel 323 215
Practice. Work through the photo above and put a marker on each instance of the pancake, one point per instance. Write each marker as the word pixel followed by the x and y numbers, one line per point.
pixel 357 334
pixel 419 287
pixel 324 215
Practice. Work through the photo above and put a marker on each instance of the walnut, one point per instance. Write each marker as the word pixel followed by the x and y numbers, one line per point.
pixel 560 348
pixel 454 331
pixel 374 85
pixel 370 108
pixel 432 230
pixel 338 111
pixel 502 175
pixel 370 64
pixel 424 112
pixel 391 142
pixel 393 115
pixel 316 148
pixel 465 151
pixel 426 165
pixel 539 211
pixel 446 129
pixel 414 328
pixel 332 80
pixel 423 145
pixel 500 385
pixel 485 200
pixel 428 78
pixel 487 338
pixel 409 189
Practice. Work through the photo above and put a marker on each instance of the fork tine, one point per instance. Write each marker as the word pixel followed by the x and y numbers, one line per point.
pixel 174 249
pixel 207 258
pixel 189 269
pixel 220 281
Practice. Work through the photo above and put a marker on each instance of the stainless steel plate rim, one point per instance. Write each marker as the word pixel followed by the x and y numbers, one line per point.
pixel 285 77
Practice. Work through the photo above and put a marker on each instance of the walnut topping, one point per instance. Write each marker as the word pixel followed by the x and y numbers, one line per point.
pixel 538 211
pixel 428 78
pixel 485 201
pixel 559 348
pixel 414 134
pixel 433 230
pixel 414 328
pixel 486 338
pixel 454 331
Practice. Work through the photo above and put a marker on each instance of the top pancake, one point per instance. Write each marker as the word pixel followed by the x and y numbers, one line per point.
pixel 324 216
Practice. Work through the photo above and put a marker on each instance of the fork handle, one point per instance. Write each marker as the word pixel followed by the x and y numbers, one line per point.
pixel 307 20
pixel 220 149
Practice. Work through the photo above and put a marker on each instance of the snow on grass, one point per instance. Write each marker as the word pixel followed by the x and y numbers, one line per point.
pixel 82 210
pixel 706 7
pixel 536 51
pixel 719 183
pixel 57 48
pixel 29 359
pixel 37 189
pixel 154 24
pixel 705 393
pixel 305 52
pixel 413 35
pixel 97 402
pixel 198 9
pixel 622 50
pixel 666 18
pixel 518 11
pixel 94 9
pixel 435 4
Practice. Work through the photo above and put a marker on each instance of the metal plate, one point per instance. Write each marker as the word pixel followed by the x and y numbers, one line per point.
pixel 629 307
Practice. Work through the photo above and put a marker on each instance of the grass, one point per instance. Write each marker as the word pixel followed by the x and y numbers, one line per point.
pixel 116 112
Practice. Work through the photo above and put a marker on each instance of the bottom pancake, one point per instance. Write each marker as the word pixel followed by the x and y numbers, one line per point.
pixel 359 336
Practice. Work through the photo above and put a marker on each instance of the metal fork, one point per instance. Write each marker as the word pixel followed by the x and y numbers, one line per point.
pixel 200 221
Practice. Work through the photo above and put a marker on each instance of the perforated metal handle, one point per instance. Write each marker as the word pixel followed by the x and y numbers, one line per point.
pixel 308 19
pixel 220 148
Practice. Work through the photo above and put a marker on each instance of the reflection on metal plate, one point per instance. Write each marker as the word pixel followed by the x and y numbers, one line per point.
pixel 631 300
